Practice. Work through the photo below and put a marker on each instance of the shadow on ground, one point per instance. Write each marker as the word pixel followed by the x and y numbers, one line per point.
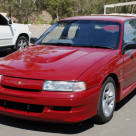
pixel 5 52
pixel 47 127
pixel 125 100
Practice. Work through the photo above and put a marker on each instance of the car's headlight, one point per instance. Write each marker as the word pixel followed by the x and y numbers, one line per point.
pixel 64 86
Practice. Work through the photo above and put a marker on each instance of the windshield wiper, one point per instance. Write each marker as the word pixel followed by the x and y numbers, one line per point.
pixel 101 46
pixel 65 44
pixel 69 44
pixel 58 43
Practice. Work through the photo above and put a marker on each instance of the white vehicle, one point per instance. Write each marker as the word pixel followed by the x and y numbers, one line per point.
pixel 12 35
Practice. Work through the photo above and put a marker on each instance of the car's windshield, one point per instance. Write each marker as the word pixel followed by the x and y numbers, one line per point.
pixel 82 33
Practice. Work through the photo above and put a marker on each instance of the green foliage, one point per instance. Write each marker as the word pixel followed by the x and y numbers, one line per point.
pixel 58 8
pixel 20 9
pixel 23 10
pixel 25 22
pixel 51 22
pixel 7 6
pixel 28 10
pixel 41 20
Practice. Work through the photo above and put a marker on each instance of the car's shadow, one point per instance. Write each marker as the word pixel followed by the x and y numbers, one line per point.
pixel 47 127
pixel 125 100
pixel 5 52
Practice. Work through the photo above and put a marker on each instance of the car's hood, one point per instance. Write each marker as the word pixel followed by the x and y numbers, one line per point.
pixel 51 62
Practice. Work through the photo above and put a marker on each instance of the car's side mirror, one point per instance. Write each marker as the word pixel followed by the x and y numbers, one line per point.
pixel 129 46
pixel 33 40
pixel 10 22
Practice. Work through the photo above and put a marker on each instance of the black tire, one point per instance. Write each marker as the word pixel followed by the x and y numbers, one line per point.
pixel 102 115
pixel 21 43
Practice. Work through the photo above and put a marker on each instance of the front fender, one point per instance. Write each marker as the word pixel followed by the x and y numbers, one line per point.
pixel 96 74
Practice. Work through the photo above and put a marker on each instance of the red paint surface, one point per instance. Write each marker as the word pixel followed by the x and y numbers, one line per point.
pixel 111 28
pixel 35 64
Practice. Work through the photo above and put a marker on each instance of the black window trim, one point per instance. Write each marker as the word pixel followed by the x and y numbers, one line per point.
pixel 5 20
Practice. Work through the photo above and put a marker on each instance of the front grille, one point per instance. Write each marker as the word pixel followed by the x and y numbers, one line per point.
pixel 22 106
pixel 20 89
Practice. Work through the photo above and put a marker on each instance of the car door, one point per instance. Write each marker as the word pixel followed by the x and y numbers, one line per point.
pixel 130 55
pixel 6 32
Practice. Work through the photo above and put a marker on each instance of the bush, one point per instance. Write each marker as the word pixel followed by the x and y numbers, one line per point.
pixel 25 22
pixel 51 22
pixel 41 19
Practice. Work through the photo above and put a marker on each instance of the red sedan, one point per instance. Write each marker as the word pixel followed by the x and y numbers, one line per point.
pixel 78 69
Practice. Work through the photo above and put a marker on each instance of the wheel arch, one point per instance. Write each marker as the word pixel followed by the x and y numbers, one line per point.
pixel 25 35
pixel 117 83
pixel 22 34
pixel 114 76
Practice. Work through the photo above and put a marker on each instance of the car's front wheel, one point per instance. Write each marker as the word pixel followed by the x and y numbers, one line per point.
pixel 107 101
pixel 22 42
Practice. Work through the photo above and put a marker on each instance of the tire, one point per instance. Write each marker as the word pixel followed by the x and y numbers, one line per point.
pixel 107 101
pixel 22 42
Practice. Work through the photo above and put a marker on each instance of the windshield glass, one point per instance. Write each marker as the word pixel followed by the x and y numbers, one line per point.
pixel 82 33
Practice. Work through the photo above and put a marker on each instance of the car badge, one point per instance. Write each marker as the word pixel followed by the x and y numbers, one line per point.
pixel 19 82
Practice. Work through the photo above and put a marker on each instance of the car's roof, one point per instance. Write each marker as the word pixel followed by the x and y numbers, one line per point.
pixel 117 18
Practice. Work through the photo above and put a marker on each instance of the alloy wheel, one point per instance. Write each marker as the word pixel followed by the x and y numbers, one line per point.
pixel 108 100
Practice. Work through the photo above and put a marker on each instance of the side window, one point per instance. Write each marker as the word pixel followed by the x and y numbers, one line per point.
pixel 130 31
pixel 3 21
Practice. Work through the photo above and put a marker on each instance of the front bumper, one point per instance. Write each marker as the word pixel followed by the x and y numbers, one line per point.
pixel 83 105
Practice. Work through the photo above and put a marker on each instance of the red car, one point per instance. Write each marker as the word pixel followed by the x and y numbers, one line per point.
pixel 78 69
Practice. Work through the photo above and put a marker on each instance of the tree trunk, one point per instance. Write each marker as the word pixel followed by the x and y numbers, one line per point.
pixel 57 15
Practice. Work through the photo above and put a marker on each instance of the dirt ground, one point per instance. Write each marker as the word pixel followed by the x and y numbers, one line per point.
pixel 38 30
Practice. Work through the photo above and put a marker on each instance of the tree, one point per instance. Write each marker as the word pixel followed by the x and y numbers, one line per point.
pixel 24 9
pixel 28 9
pixel 7 6
pixel 58 8
pixel 20 9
